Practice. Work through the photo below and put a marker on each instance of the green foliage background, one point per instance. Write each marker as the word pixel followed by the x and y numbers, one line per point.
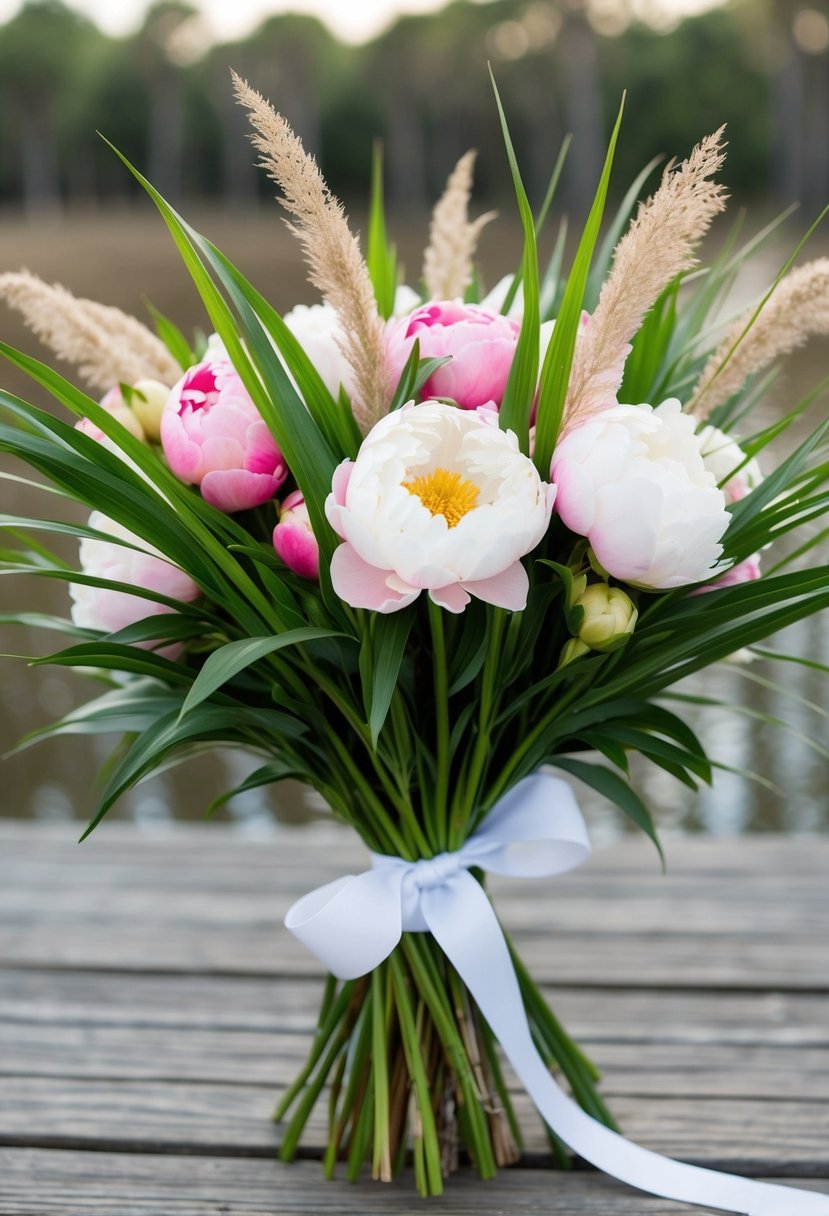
pixel 162 95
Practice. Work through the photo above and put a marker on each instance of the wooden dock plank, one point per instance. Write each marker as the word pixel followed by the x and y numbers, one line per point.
pixel 125 1054
pixel 177 904
pixel 743 1135
pixel 126 1184
pixel 152 1008
pixel 277 1004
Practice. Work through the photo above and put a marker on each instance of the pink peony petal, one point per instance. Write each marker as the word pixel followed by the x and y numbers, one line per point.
pixel 364 586
pixel 295 499
pixel 452 597
pixel 297 547
pixel 237 490
pixel 575 496
pixel 340 480
pixel 222 453
pixel 335 508
pixel 744 572
pixel 183 455
pixel 508 589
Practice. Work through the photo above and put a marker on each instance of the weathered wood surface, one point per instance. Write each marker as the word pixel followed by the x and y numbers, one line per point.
pixel 152 1009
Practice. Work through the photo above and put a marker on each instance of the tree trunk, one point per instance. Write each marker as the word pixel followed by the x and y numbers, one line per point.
pixel 40 176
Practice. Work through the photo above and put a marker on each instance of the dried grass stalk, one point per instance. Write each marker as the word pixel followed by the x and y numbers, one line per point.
pixel 106 345
pixel 658 245
pixel 333 254
pixel 797 309
pixel 447 262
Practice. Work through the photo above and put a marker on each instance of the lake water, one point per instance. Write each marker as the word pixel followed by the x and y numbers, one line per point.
pixel 117 259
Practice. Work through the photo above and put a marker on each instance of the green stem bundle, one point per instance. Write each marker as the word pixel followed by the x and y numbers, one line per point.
pixel 414 1073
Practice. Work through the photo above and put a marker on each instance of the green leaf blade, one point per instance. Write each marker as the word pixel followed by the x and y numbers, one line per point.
pixel 555 374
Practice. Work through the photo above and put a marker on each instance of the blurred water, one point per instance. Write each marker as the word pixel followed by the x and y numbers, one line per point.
pixel 116 259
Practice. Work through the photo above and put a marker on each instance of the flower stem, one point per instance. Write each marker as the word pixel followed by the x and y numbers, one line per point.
pixel 468 797
pixel 508 774
pixel 441 680
pixel 328 1023
pixel 381 1162
pixel 432 988
pixel 427 1147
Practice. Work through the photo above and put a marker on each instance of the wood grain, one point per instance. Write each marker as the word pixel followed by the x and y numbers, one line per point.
pixel 152 1009
pixel 121 1184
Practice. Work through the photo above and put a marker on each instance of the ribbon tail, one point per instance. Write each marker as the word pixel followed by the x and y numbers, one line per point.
pixel 463 921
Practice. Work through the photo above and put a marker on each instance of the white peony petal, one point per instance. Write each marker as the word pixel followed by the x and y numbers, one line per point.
pixel 633 481
pixel 497 508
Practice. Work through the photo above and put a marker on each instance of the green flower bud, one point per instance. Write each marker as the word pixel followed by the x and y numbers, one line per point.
pixel 609 616
pixel 571 650
pixel 577 589
pixel 147 403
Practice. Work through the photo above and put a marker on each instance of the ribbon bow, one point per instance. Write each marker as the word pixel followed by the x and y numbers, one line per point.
pixel 536 830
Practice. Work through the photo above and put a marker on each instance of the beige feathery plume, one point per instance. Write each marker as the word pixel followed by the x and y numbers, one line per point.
pixel 333 254
pixel 447 262
pixel 797 309
pixel 658 245
pixel 106 345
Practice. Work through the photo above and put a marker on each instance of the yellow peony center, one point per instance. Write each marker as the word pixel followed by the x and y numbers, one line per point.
pixel 444 492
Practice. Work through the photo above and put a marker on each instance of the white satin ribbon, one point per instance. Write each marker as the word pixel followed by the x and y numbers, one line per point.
pixel 535 830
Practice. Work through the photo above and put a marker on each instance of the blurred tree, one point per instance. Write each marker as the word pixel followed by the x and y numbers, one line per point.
pixel 292 60
pixel 163 96
pixel 688 82
pixel 43 51
pixel 155 48
pixel 797 53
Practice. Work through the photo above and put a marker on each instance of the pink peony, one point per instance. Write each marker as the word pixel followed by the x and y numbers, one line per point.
pixel 481 345
pixel 215 438
pixel 109 610
pixel 294 540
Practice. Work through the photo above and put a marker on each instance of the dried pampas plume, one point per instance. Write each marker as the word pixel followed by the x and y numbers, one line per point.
pixel 336 265
pixel 106 345
pixel 797 309
pixel 658 245
pixel 447 262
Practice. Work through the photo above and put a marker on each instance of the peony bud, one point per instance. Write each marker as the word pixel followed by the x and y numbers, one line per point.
pixel 294 540
pixel 147 404
pixel 113 402
pixel 214 437
pixel 609 616
pixel 574 649
pixel 578 586
pixel 480 344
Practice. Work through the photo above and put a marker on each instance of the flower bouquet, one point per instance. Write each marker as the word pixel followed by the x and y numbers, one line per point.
pixel 484 568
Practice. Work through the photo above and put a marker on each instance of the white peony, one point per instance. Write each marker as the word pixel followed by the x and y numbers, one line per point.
pixel 726 460
pixel 633 481
pixel 129 560
pixel 317 329
pixel 436 500
pixel 215 351
pixel 495 299
pixel 406 300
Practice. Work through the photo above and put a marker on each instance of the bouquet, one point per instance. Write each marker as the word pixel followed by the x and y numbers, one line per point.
pixel 416 549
